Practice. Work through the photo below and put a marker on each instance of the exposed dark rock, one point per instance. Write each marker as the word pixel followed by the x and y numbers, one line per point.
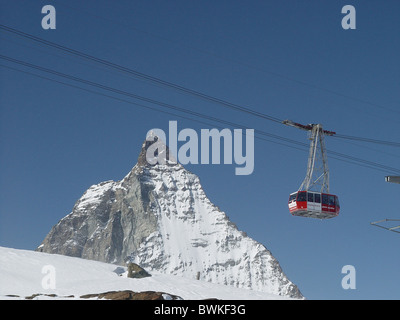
pixel 131 295
pixel 135 271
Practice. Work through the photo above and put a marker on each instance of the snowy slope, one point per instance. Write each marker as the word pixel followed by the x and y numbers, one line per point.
pixel 21 275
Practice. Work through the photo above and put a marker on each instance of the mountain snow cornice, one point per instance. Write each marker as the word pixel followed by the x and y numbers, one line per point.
pixel 159 217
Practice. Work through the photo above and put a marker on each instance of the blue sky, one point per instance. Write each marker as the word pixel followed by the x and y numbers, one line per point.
pixel 288 59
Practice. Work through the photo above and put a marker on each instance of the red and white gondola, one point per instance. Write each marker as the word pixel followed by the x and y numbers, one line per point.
pixel 314 204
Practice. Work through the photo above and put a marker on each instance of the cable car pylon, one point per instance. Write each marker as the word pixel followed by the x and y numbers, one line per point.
pixel 313 198
pixel 381 223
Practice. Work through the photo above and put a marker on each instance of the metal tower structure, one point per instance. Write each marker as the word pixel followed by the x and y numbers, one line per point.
pixel 317 176
pixel 389 224
pixel 393 179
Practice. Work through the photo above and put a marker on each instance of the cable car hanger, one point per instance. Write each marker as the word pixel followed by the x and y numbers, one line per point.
pixel 313 198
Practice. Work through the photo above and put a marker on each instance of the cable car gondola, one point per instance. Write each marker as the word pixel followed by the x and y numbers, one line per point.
pixel 314 205
pixel 313 198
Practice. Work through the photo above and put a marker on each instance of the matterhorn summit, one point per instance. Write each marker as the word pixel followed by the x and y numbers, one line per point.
pixel 159 217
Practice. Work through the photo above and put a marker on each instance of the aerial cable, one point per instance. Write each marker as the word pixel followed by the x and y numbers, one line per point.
pixel 175 86
pixel 382 142
pixel 142 75
pixel 131 95
pixel 185 117
pixel 353 160
pixel 241 63
pixel 235 125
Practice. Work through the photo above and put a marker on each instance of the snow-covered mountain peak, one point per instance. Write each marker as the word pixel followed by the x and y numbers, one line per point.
pixel 160 217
